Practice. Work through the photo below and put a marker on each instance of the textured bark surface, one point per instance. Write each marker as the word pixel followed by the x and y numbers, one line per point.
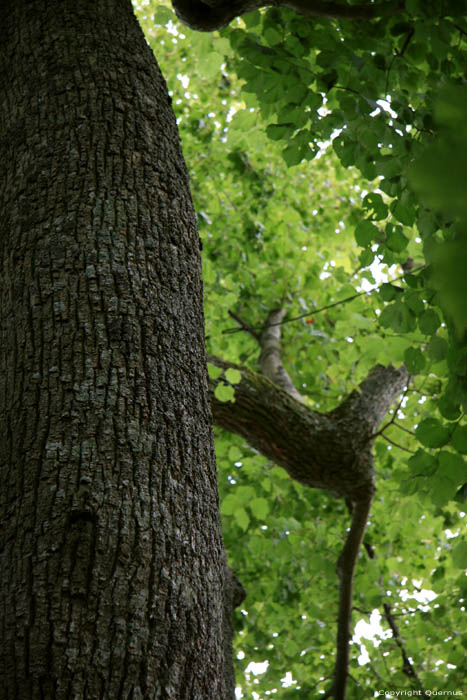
pixel 330 451
pixel 112 563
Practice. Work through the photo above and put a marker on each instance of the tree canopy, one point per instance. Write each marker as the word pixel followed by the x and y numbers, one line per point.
pixel 328 167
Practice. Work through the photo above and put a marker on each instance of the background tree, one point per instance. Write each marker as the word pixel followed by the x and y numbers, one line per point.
pixel 112 564
pixel 376 92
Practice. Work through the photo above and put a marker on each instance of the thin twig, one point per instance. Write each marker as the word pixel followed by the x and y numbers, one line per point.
pixel 325 308
pixel 401 427
pixel 407 666
pixel 244 325
pixel 406 449
pixel 398 54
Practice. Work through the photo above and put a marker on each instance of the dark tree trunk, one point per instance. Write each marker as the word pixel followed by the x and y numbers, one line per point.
pixel 112 563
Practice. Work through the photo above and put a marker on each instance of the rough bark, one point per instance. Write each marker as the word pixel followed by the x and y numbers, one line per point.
pixel 234 595
pixel 112 563
pixel 329 451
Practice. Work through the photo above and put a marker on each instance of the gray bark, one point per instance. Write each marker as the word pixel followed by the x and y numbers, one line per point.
pixel 331 451
pixel 112 564
pixel 270 360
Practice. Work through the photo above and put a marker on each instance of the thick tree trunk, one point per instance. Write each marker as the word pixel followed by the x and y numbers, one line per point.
pixel 112 563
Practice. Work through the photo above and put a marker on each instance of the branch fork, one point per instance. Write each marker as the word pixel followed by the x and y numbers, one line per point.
pixel 331 451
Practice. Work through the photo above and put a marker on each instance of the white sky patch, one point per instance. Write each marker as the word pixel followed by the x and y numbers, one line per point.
pixel 376 269
pixel 288 680
pixel 372 631
pixel 384 106
pixel 184 79
pixel 423 596
pixel 257 668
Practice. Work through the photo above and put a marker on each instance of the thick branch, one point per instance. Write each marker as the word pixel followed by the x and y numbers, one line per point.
pixel 330 451
pixel 270 360
pixel 327 451
pixel 215 14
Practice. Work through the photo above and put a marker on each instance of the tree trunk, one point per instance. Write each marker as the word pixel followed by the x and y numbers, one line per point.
pixel 112 562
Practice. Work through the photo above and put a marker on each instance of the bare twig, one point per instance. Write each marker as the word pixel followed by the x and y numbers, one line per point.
pixel 243 325
pixel 328 306
pixel 398 54
pixel 396 444
pixel 407 665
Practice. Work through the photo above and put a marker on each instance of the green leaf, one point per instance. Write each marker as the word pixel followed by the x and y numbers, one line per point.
pixel 442 491
pixel 365 233
pixel 242 518
pixel 448 405
pixel 403 213
pixel 213 371
pixel 395 239
pixel 280 131
pixel 292 155
pixel 429 322
pixel 452 466
pixel 414 360
pixel 162 15
pixel 437 348
pixel 224 393
pixel 423 463
pixel 366 257
pixel 259 507
pixel 229 504
pixel 459 439
pixel 388 167
pixel 235 454
pixel 272 36
pixel 459 555
pixel 432 433
pixel 233 376
pixel 389 292
pixel 244 119
pixel 210 66
pixel 399 317
pixel 414 302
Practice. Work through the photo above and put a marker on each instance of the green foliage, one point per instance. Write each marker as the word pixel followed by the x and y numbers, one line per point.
pixel 327 163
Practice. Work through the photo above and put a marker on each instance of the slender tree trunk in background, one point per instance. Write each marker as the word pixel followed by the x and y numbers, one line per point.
pixel 112 562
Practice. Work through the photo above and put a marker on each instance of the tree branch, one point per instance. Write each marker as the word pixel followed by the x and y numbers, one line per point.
pixel 215 14
pixel 270 360
pixel 244 326
pixel 329 451
pixel 345 571
pixel 407 666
